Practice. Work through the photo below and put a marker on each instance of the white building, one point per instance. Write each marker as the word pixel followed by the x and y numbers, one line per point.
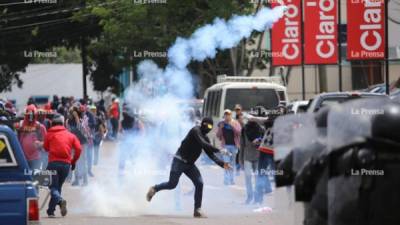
pixel 49 80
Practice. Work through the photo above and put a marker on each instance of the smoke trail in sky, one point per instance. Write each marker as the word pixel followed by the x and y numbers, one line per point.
pixel 158 99
pixel 221 34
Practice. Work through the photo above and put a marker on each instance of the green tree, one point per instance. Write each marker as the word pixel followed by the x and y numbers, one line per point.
pixel 26 28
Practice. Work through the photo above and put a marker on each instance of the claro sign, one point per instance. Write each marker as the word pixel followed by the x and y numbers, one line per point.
pixel 286 35
pixel 365 29
pixel 320 31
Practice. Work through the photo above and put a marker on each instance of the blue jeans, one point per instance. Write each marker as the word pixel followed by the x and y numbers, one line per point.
pixel 231 160
pixel 81 171
pixel 44 157
pixel 34 164
pixel 190 170
pixel 60 171
pixel 89 157
pixel 250 168
pixel 263 184
pixel 96 149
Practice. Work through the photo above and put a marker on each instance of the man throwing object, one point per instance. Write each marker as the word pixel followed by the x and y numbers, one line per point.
pixel 184 162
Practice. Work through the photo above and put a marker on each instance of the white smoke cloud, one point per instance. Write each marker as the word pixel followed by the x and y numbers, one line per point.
pixel 220 35
pixel 158 97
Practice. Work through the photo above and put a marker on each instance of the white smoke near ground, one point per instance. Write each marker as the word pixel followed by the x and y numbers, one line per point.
pixel 158 99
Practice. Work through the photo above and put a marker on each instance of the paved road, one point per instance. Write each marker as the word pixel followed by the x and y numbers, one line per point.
pixel 107 201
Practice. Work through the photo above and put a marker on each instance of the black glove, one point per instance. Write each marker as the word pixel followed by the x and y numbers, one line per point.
pixel 72 166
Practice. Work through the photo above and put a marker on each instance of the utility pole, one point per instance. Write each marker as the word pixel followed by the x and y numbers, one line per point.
pixel 85 71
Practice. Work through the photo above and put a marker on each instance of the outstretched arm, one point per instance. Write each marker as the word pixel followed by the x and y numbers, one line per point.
pixel 208 148
pixel 204 143
pixel 214 158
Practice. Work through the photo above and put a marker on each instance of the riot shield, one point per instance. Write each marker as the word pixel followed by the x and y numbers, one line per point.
pixel 286 133
pixel 293 133
pixel 347 123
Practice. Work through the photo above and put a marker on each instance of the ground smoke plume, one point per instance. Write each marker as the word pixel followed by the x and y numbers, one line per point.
pixel 158 98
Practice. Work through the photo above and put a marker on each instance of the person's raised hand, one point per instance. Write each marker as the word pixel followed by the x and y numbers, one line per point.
pixel 227 166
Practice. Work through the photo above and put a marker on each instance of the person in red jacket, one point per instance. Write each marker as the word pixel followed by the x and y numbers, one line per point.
pixel 60 143
pixel 31 134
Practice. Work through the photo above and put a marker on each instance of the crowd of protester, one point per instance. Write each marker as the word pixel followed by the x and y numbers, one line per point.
pixel 89 121
pixel 63 136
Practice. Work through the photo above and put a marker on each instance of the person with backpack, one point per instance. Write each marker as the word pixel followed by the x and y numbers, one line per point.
pixel 31 134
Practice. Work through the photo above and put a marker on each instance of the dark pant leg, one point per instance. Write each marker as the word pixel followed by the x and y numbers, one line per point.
pixel 54 188
pixel 177 169
pixel 64 172
pixel 59 174
pixel 114 124
pixel 194 175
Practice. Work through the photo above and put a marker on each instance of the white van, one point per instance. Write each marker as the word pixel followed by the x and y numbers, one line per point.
pixel 246 91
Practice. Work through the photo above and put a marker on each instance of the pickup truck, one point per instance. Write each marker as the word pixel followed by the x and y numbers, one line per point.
pixel 19 199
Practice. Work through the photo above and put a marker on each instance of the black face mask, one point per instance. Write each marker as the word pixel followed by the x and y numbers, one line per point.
pixel 206 128
pixel 31 117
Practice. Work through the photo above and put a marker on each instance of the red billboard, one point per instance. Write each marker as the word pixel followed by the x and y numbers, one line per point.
pixel 365 29
pixel 320 31
pixel 286 35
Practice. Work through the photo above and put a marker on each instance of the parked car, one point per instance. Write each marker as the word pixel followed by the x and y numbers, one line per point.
pixel 377 88
pixel 332 98
pixel 41 100
pixel 297 107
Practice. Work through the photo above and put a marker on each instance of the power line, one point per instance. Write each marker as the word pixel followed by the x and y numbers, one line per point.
pixel 13 3
pixel 54 11
pixel 61 20
pixel 34 10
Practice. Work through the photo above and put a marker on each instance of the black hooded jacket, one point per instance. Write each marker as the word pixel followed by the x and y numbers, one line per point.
pixel 192 145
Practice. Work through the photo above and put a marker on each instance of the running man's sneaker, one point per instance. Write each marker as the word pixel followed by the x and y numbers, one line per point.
pixel 150 194
pixel 199 214
pixel 51 214
pixel 63 207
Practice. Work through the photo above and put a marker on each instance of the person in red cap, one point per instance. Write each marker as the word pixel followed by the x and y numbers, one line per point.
pixel 31 135
pixel 60 143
